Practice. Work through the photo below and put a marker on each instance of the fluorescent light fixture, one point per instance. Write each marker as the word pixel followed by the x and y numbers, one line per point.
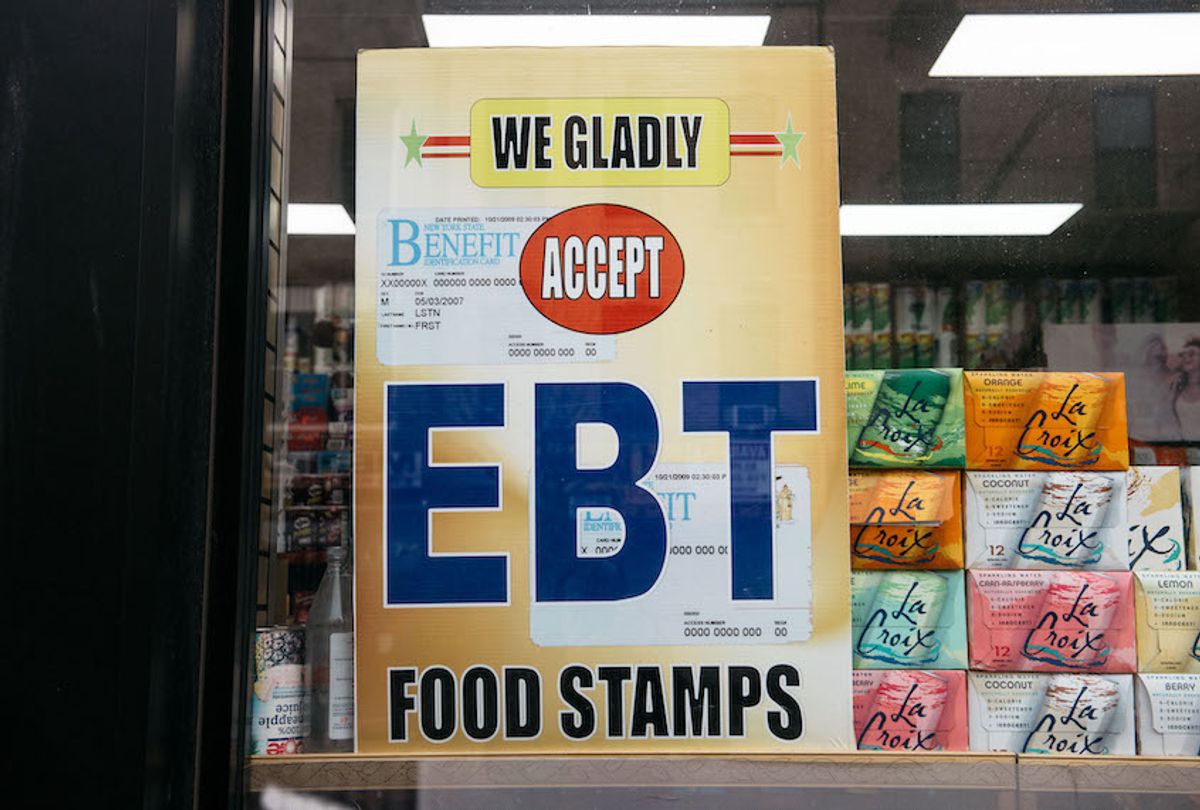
pixel 548 30
pixel 998 219
pixel 1072 45
pixel 318 219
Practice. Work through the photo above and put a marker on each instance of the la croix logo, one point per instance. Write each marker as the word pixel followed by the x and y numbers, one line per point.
pixel 1067 639
pixel 1060 440
pixel 907 644
pixel 899 730
pixel 907 425
pixel 1059 544
pixel 909 545
pixel 1145 539
pixel 1067 733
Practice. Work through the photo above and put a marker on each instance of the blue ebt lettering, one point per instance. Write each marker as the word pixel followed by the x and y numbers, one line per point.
pixel 560 488
pixel 750 412
pixel 415 487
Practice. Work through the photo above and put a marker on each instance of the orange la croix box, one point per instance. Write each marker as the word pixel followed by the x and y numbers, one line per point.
pixel 906 519
pixel 1045 420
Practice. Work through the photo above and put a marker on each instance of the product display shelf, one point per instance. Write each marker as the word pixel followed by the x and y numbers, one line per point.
pixel 861 770
pixel 1160 775
pixel 864 770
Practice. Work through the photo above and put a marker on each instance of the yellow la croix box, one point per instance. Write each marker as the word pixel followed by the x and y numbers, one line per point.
pixel 906 519
pixel 1168 619
pixel 1045 420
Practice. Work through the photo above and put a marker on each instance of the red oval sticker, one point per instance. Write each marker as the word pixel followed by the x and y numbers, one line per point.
pixel 601 269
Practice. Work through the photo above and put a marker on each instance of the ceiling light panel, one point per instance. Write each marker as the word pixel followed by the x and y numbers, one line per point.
pixel 551 30
pixel 1011 45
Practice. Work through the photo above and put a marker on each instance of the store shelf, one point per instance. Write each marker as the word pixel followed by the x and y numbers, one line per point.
pixel 1109 774
pixel 826 770
pixel 986 772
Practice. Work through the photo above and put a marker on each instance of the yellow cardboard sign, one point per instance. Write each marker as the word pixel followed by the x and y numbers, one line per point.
pixel 600 460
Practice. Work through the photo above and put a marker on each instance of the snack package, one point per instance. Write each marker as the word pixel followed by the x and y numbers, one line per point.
pixel 905 418
pixel 309 417
pixel 1168 715
pixel 1154 510
pixel 1168 621
pixel 1045 420
pixel 908 619
pixel 1051 621
pixel 1067 714
pixel 905 519
pixel 912 710
pixel 1047 520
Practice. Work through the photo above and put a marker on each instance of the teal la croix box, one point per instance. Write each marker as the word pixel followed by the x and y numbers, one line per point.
pixel 908 417
pixel 908 619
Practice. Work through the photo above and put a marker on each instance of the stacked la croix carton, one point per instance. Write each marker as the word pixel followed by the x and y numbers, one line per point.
pixel 1038 654
pixel 908 610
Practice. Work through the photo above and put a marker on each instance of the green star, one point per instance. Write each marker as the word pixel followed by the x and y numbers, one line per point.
pixel 413 143
pixel 791 142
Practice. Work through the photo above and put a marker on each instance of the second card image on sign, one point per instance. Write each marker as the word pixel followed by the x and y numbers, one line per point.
pixel 692 601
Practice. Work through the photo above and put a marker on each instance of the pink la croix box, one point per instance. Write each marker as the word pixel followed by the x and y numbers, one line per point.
pixel 911 710
pixel 1051 621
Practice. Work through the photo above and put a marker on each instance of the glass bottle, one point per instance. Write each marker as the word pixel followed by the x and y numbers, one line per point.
pixel 330 642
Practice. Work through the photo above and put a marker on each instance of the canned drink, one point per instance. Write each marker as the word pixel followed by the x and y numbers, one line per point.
pixel 1090 300
pixel 1018 319
pixel 946 325
pixel 858 308
pixel 996 307
pixel 973 347
pixel 993 349
pixel 1018 305
pixel 279 716
pixel 881 323
pixel 975 323
pixel 881 307
pixel 1166 299
pixel 909 308
pixel 1068 301
pixel 847 309
pixel 926 324
pixel 1143 300
pixel 1048 301
pixel 1120 300
pixel 882 351
pixel 974 307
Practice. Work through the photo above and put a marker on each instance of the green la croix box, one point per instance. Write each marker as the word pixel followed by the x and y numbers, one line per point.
pixel 911 417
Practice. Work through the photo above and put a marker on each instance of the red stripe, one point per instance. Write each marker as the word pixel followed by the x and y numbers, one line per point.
pixel 774 153
pixel 746 137
pixel 445 154
pixel 448 140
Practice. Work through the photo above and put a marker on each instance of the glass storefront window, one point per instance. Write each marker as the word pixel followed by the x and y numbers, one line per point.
pixel 1008 202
